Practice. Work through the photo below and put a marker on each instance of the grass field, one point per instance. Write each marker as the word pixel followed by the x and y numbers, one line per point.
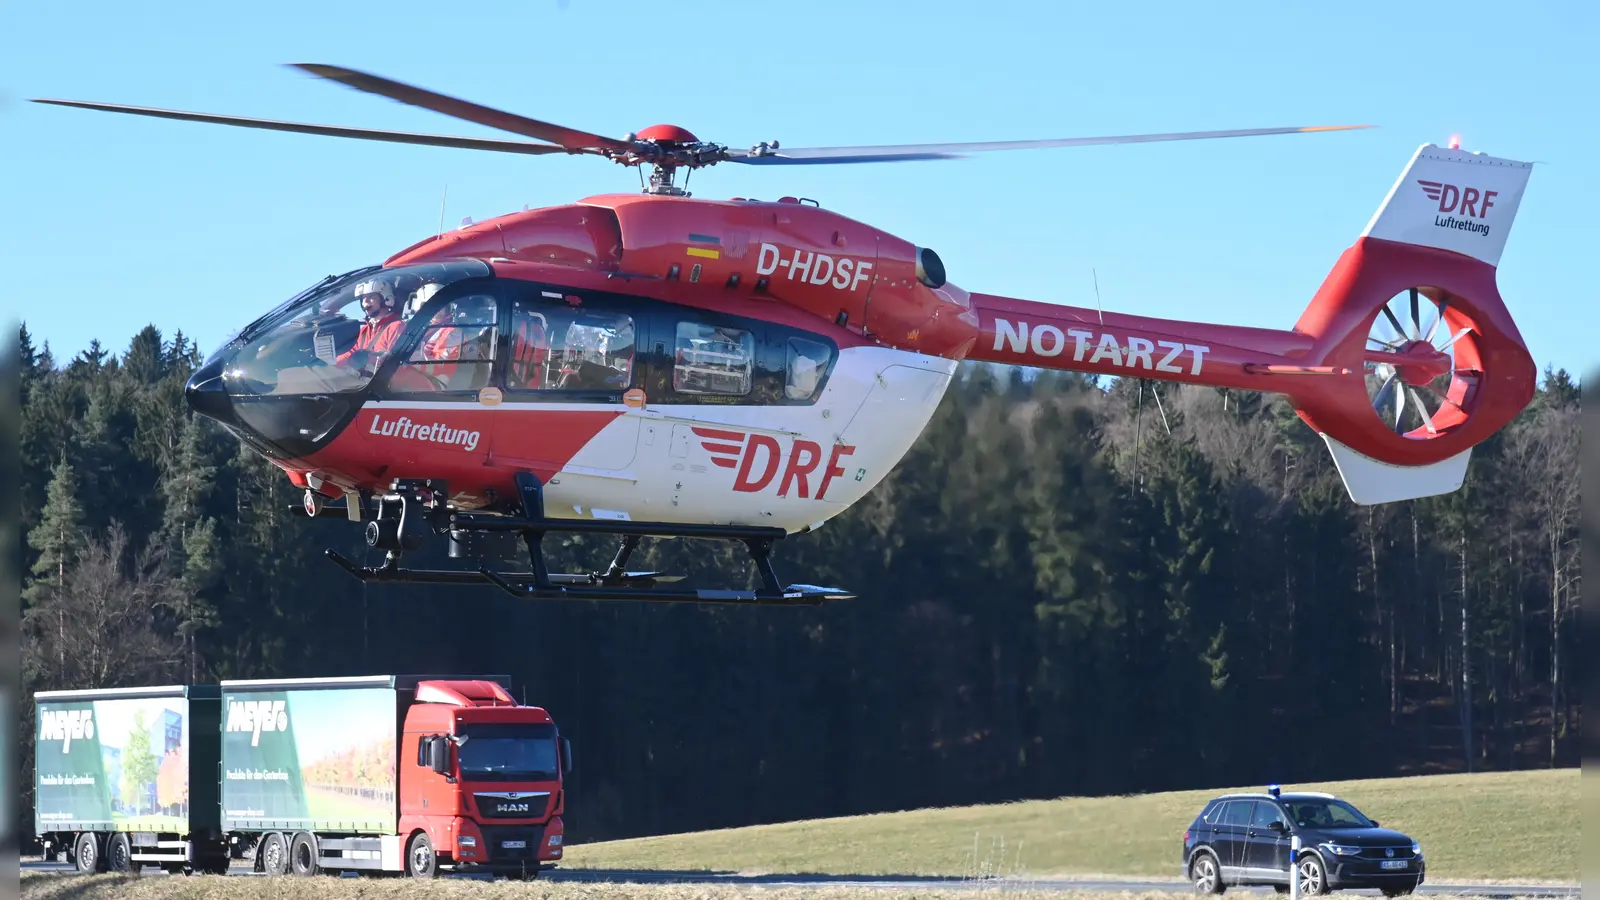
pixel 112 887
pixel 1511 827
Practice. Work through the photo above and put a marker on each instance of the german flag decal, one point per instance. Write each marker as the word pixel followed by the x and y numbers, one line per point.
pixel 705 252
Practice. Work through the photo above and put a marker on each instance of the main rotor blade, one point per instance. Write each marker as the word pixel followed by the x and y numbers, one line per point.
pixel 901 152
pixel 570 138
pixel 368 134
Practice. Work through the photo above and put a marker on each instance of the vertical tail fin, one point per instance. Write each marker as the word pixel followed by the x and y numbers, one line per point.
pixel 1413 308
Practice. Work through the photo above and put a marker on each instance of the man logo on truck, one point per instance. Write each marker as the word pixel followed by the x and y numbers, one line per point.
pixel 256 716
pixel 66 725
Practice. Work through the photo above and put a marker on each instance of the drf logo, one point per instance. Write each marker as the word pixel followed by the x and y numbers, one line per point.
pixel 736 449
pixel 1468 201
pixel 844 273
pixel 256 716
pixel 66 726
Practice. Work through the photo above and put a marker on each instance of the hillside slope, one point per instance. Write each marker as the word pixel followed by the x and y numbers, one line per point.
pixel 1528 819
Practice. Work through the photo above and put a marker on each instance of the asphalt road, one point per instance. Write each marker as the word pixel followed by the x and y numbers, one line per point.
pixel 896 882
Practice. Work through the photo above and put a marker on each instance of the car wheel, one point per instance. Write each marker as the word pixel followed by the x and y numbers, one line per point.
pixel 1205 873
pixel 1313 876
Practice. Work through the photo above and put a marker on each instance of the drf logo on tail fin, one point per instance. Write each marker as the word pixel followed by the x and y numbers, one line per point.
pixel 736 449
pixel 256 716
pixel 1470 202
pixel 66 725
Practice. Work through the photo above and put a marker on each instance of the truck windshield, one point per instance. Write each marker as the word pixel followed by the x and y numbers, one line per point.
pixel 509 752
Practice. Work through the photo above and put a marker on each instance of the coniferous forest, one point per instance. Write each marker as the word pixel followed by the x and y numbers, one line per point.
pixel 1064 589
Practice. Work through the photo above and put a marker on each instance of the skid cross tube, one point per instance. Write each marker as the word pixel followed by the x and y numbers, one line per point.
pixel 615 583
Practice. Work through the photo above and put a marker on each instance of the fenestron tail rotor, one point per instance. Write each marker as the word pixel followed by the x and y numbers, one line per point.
pixel 665 148
pixel 1416 384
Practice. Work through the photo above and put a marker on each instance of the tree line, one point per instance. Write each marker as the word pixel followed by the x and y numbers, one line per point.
pixel 1065 588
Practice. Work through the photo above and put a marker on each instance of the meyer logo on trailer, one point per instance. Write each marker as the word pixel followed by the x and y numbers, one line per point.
pixel 256 716
pixel 1138 352
pixel 844 273
pixel 1469 201
pixel 738 450
pixel 66 726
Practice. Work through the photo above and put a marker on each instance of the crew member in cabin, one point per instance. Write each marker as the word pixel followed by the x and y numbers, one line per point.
pixel 380 329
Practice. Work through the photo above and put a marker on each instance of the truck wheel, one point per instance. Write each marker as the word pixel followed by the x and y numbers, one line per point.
pixel 274 855
pixel 119 854
pixel 420 859
pixel 303 855
pixel 86 853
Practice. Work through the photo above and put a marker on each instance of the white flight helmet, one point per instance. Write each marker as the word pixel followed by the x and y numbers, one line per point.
pixel 377 286
pixel 422 295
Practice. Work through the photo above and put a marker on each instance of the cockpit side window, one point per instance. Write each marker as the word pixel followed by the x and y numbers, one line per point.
pixel 335 337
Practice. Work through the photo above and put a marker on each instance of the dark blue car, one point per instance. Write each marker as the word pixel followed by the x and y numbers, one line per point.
pixel 1245 839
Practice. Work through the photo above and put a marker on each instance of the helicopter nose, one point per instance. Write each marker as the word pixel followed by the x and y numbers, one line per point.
pixel 206 394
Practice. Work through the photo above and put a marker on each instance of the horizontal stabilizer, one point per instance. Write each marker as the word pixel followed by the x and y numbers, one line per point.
pixel 1370 481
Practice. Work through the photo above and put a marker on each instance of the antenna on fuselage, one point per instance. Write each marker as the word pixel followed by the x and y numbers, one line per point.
pixel 1097 307
pixel 441 207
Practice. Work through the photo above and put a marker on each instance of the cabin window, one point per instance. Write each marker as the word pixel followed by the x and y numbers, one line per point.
pixel 710 359
pixel 556 347
pixel 808 360
pixel 457 348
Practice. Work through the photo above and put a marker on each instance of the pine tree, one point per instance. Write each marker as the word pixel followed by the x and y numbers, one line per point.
pixel 144 360
pixel 58 536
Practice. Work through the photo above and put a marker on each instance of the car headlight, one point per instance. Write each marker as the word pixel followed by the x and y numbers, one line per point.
pixel 555 841
pixel 1416 848
pixel 1343 850
pixel 467 840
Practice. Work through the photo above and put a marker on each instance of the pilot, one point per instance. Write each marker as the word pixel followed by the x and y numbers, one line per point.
pixel 381 327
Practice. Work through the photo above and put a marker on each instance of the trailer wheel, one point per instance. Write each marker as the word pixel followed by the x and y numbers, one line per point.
pixel 86 853
pixel 303 855
pixel 420 859
pixel 274 855
pixel 119 854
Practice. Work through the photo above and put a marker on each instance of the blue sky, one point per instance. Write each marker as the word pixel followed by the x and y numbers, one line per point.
pixel 112 222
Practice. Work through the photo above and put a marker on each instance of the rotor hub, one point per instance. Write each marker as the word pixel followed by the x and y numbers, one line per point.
pixel 1423 364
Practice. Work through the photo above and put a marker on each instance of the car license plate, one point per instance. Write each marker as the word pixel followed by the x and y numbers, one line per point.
pixel 514 845
pixel 1394 864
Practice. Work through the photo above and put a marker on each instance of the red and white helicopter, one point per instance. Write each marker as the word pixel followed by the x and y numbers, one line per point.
pixel 656 365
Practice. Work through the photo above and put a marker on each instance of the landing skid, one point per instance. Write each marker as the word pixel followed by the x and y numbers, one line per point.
pixel 412 510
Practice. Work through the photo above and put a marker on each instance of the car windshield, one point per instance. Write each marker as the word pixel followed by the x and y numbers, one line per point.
pixel 509 752
pixel 333 338
pixel 1326 814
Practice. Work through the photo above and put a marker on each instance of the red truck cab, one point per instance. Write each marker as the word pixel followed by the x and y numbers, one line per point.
pixel 480 781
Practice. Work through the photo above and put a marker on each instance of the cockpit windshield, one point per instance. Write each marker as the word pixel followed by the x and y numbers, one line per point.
pixel 333 338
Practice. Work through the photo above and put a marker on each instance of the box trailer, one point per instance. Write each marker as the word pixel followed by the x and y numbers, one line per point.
pixel 391 773
pixel 128 777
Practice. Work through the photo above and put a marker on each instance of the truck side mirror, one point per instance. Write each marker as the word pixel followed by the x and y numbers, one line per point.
pixel 439 754
pixel 566 756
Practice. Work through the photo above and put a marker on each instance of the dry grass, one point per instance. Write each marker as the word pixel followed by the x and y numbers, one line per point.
pixel 113 887
pixel 1509 827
